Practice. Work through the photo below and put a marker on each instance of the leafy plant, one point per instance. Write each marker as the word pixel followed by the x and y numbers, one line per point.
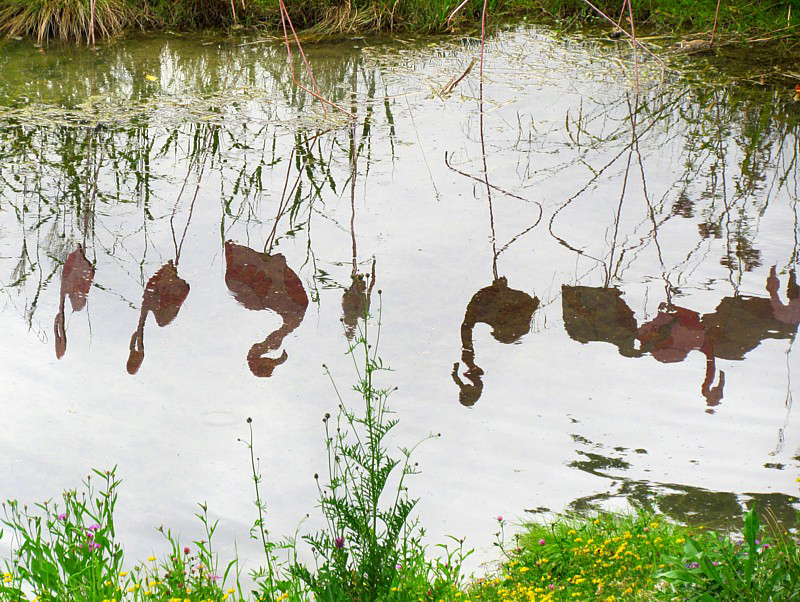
pixel 69 552
pixel 371 548
pixel 719 567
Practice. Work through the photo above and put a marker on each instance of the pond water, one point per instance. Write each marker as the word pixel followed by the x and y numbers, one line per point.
pixel 589 293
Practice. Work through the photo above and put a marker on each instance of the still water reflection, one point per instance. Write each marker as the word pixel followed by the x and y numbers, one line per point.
pixel 635 256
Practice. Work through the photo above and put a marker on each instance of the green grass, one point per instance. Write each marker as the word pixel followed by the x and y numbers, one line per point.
pixel 69 19
pixel 645 557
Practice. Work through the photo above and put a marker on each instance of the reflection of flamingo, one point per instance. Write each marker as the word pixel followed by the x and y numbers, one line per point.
pixel 789 313
pixel 508 312
pixel 164 295
pixel 260 281
pixel 599 314
pixel 672 334
pixel 76 280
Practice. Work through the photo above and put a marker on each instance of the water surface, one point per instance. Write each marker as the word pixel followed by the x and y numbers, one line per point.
pixel 589 293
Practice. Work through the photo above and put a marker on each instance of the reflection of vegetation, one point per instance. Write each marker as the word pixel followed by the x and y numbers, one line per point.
pixel 109 154
pixel 682 503
pixel 714 129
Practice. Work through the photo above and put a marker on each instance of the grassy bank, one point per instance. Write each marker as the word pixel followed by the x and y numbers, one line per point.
pixel 72 19
pixel 70 554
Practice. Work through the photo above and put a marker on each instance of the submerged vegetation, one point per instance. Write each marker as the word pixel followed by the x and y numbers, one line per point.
pixel 85 19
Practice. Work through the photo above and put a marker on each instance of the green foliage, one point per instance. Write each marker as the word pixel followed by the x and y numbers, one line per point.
pixel 720 567
pixel 642 556
pixel 69 554
pixel 67 551
pixel 69 19
pixel 604 557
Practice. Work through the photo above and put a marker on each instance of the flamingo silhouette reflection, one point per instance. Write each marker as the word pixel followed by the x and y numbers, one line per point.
pixel 599 315
pixel 260 281
pixel 76 281
pixel 163 295
pixel 736 327
pixel 676 331
pixel 508 312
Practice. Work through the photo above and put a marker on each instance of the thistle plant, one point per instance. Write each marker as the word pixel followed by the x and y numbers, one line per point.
pixel 371 547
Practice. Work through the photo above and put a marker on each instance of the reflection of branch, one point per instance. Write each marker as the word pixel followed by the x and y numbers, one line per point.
pixel 450 86
pixel 596 175
pixel 204 154
pixel 632 37
pixel 284 202
pixel 477 179
pixel 789 401
pixel 506 192
pixel 315 93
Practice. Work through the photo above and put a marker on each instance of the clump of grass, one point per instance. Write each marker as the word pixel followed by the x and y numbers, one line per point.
pixel 69 20
pixel 644 557
pixel 606 557
pixel 67 551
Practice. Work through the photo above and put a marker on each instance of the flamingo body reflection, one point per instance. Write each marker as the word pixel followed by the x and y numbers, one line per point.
pixel 508 312
pixel 599 314
pixel 76 281
pixel 260 282
pixel 736 327
pixel 163 295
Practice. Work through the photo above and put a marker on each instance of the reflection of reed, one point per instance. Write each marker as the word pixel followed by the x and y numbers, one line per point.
pixel 357 297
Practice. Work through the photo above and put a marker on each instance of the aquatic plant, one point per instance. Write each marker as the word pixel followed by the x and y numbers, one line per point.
pixel 73 20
